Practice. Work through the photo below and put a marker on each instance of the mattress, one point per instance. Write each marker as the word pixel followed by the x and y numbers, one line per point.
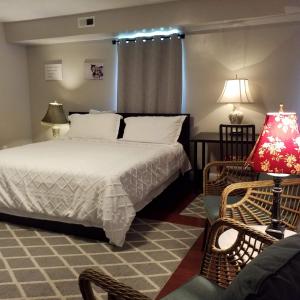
pixel 90 182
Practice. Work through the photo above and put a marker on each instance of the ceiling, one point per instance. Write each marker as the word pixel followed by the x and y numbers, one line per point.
pixel 19 10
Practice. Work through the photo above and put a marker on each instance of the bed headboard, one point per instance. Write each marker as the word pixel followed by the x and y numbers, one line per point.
pixel 184 137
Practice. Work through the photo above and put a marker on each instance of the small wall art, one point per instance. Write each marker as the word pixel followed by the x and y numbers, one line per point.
pixel 53 70
pixel 93 69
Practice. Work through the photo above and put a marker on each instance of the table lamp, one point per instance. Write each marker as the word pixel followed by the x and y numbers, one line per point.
pixel 55 116
pixel 277 152
pixel 236 91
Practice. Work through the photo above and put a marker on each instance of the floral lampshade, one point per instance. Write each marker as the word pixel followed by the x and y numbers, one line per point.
pixel 277 149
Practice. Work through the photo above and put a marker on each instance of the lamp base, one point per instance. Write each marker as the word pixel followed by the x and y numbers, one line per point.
pixel 236 116
pixel 276 230
pixel 55 131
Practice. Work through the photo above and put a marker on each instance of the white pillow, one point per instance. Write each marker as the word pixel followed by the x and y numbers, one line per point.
pixel 96 111
pixel 158 129
pixel 98 126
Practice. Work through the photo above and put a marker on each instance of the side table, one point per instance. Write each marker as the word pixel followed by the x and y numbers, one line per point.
pixel 227 238
pixel 203 138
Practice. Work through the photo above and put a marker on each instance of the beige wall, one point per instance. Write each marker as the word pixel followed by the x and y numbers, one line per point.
pixel 267 56
pixel 74 91
pixel 188 13
pixel 15 126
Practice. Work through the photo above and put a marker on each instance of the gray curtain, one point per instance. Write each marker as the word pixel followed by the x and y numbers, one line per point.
pixel 150 75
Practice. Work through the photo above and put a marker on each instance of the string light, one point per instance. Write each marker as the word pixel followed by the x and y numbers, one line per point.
pixel 150 33
pixel 149 36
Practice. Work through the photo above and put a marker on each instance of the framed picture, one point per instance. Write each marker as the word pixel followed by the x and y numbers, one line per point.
pixel 93 70
pixel 53 70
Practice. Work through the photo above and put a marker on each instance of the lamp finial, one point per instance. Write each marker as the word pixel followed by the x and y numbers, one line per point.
pixel 281 108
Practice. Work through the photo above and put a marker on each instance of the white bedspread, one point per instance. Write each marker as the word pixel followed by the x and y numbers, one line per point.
pixel 89 182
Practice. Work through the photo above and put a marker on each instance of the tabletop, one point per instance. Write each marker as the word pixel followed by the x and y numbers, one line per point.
pixel 210 137
pixel 228 237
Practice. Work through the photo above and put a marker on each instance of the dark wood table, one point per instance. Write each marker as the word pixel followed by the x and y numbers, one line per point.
pixel 205 138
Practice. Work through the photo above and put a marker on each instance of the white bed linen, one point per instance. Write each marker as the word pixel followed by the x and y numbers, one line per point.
pixel 91 182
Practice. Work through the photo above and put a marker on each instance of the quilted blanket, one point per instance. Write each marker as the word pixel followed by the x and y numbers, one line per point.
pixel 90 182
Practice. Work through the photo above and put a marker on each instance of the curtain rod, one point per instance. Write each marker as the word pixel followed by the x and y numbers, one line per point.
pixel 151 38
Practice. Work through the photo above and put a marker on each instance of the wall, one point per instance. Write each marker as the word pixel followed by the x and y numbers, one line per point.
pixel 74 91
pixel 187 13
pixel 15 126
pixel 267 56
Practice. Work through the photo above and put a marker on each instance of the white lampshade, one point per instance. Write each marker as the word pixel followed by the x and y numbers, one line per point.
pixel 236 91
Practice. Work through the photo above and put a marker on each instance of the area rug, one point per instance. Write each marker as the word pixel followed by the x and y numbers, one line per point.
pixel 36 264
pixel 195 209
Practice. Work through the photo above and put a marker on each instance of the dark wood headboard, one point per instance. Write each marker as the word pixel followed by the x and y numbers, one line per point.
pixel 184 137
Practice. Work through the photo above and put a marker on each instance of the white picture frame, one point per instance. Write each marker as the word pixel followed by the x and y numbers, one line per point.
pixel 53 70
pixel 93 70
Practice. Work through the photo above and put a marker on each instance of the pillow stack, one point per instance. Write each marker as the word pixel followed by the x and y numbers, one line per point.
pixel 97 126
pixel 158 129
pixel 145 129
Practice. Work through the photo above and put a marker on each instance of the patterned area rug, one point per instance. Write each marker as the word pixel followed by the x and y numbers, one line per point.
pixel 36 264
pixel 195 209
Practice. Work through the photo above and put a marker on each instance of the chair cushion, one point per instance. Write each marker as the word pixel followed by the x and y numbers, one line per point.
pixel 212 205
pixel 198 288
pixel 273 274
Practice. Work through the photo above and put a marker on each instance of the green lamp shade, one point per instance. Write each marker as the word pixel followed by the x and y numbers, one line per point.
pixel 55 114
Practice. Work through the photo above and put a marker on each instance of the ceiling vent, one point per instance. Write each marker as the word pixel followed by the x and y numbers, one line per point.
pixel 84 22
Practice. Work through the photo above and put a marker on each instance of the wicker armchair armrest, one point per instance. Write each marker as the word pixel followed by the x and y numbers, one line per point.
pixel 249 186
pixel 116 290
pixel 242 230
pixel 222 265
pixel 238 187
pixel 228 172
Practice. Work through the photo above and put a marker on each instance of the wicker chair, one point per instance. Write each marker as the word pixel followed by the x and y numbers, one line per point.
pixel 255 206
pixel 225 173
pixel 219 267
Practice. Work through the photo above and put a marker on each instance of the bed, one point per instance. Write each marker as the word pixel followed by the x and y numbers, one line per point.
pixel 93 182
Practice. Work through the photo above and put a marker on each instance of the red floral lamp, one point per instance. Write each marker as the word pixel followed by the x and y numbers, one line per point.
pixel 277 152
